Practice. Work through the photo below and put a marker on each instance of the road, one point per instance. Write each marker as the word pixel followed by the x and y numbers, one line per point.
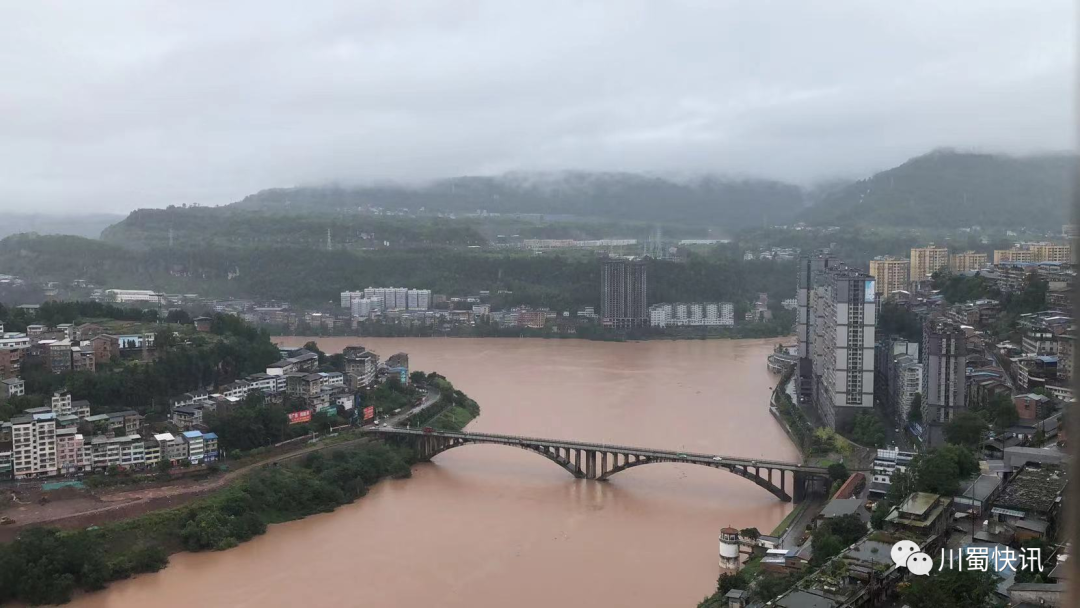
pixel 430 399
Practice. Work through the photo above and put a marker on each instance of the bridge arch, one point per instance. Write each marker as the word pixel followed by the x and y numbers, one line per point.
pixel 766 483
pixel 565 463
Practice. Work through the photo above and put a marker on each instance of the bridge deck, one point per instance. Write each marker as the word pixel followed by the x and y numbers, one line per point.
pixel 607 447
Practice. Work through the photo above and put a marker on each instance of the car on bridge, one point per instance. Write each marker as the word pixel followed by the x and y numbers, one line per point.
pixel 683 456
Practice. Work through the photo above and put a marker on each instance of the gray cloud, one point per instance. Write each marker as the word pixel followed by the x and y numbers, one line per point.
pixel 107 106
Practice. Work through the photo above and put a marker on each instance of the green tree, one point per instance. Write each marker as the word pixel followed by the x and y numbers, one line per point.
pixel 915 409
pixel 417 377
pixel 966 429
pixel 881 511
pixel 868 430
pixel 952 589
pixel 750 533
pixel 838 472
pixel 1001 412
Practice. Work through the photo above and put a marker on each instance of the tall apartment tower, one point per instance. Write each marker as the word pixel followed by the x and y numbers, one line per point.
pixel 890 274
pixel 842 344
pixel 925 261
pixel 812 270
pixel 944 359
pixel 623 294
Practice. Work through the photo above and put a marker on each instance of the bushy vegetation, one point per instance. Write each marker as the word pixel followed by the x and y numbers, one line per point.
pixel 45 566
pixel 451 412
pixel 235 349
pixel 834 535
pixel 955 588
pixel 897 320
pixel 53 312
pixel 868 431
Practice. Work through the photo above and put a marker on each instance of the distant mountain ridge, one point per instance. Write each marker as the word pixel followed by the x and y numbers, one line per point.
pixel 949 189
pixel 734 203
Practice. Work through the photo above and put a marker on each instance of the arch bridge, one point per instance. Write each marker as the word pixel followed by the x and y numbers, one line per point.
pixel 600 461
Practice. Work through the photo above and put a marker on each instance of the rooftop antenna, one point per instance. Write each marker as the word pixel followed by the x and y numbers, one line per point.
pixel 329 246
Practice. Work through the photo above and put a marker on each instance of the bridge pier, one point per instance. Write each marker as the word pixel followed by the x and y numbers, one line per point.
pixel 590 464
pixel 798 487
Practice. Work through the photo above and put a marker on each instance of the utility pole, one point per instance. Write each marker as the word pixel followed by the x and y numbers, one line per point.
pixel 329 246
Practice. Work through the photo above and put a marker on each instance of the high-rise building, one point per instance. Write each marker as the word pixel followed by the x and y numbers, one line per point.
pixel 890 274
pixel 623 301
pixel 967 261
pixel 925 261
pixel 844 307
pixel 944 359
pixel 33 445
pixel 812 269
pixel 1034 252
pixel 347 297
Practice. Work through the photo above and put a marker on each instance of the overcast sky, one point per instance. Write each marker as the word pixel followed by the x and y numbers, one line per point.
pixel 109 106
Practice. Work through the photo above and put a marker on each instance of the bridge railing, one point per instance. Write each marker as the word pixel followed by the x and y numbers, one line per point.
pixel 741 460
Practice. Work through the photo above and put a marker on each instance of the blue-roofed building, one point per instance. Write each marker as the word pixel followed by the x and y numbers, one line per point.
pixel 210 447
pixel 196 446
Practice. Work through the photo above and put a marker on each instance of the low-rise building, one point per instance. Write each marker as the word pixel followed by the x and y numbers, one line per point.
pixel 1032 406
pixel 923 514
pixel 196 448
pixel 187 416
pixel 12 387
pixel 1031 501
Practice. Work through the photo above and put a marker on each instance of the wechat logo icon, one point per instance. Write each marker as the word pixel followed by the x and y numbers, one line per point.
pixel 907 554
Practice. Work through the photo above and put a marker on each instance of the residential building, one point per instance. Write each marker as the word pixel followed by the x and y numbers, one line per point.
pixel 238 389
pixel 944 360
pixel 888 462
pixel 1039 342
pixel 1030 503
pixel 1031 406
pixel 196 448
pixel 362 308
pixel 10 361
pixel 172 448
pixel 12 387
pixel 70 453
pixel 890 274
pixel 967 261
pixel 1034 252
pixel 398 364
pixel 811 272
pixel 210 447
pixel 348 296
pixel 361 365
pixel 925 261
pixel 1066 345
pixel 134 295
pixel 922 514
pixel 33 445
pixel 845 310
pixel 623 293
pixel 187 416
pixel 905 381
pixel 106 348
pixel 124 451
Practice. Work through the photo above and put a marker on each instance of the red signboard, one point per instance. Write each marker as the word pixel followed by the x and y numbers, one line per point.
pixel 300 417
pixel 369 412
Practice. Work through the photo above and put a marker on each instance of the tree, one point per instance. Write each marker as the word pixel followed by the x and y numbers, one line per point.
pixel 1001 412
pixel 417 377
pixel 868 430
pixel 178 316
pixel 881 511
pixel 1041 390
pixel 940 471
pixel 313 347
pixel 915 409
pixel 750 533
pixel 838 472
pixel 965 429
pixel 953 588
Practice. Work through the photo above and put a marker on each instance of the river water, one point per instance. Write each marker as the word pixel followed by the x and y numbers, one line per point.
pixel 494 526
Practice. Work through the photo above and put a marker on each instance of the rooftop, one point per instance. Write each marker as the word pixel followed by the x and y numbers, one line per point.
pixel 918 503
pixel 841 506
pixel 979 488
pixel 1033 489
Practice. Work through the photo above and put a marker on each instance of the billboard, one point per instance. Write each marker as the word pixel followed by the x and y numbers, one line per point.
pixel 300 417
pixel 369 413
pixel 868 295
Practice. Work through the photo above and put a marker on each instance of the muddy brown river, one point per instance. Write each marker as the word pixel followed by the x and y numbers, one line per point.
pixel 493 526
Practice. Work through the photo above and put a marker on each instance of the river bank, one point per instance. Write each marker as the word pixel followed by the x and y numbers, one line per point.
pixel 138 537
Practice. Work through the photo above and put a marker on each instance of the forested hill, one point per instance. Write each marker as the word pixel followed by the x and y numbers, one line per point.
pixel 225 226
pixel 316 276
pixel 725 203
pixel 946 189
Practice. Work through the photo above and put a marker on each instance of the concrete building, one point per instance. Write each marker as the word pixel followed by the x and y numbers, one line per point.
pixel 888 462
pixel 944 360
pixel 623 293
pixel 1034 252
pixel 134 295
pixel 845 310
pixel 33 445
pixel 905 382
pixel 967 261
pixel 361 366
pixel 925 261
pixel 891 274
pixel 811 272
pixel 12 387
pixel 196 447
pixel 70 453
pixel 10 361
pixel 347 298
